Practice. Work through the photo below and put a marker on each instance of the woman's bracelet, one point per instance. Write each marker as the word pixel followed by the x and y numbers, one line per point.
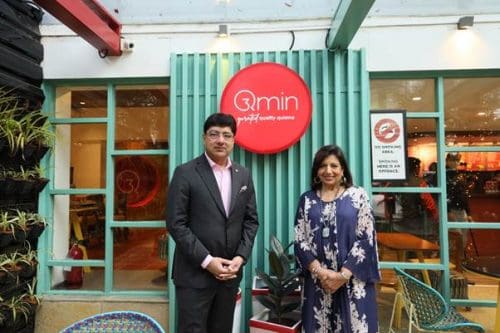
pixel 344 275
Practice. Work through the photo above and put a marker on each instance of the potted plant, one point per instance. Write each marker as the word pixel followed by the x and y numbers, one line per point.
pixel 283 281
pixel 27 263
pixel 9 270
pixel 37 225
pixel 35 137
pixel 26 135
pixel 21 184
pixel 18 313
pixel 30 296
pixel 7 229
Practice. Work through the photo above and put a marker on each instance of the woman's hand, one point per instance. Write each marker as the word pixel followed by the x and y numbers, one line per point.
pixel 333 281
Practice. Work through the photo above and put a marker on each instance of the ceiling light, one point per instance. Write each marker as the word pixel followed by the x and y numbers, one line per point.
pixel 223 30
pixel 82 103
pixel 465 22
pixel 481 113
pixel 416 98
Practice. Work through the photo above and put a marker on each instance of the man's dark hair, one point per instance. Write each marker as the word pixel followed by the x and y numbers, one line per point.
pixel 413 165
pixel 220 120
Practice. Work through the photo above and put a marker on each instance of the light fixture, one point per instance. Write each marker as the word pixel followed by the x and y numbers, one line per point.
pixel 223 30
pixel 465 22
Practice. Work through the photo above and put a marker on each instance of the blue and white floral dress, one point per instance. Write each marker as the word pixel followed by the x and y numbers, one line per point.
pixel 351 243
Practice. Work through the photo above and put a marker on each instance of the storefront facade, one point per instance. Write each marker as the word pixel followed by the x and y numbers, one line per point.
pixel 131 119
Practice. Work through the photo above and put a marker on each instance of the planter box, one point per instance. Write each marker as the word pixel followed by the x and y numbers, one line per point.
pixel 259 323
pixel 260 288
pixel 29 157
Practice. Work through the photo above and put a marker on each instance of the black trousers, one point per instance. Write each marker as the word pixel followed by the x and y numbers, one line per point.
pixel 205 310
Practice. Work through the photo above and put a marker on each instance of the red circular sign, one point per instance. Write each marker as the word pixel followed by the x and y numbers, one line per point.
pixel 271 104
pixel 138 178
pixel 387 130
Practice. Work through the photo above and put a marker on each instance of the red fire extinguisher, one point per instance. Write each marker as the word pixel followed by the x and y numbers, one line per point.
pixel 74 276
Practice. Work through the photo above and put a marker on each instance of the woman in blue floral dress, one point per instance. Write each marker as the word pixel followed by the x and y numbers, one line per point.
pixel 336 248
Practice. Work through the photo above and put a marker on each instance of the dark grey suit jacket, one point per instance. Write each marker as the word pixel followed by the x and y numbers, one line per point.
pixel 197 221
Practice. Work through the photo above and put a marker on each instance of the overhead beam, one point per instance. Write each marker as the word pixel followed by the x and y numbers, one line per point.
pixel 90 20
pixel 346 22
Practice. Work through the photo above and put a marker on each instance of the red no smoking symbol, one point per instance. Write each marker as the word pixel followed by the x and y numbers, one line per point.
pixel 387 130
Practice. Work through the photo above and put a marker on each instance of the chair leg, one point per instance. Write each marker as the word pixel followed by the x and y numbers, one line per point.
pixel 410 318
pixel 394 306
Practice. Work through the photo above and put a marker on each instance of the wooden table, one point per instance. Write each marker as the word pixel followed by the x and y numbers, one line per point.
pixel 487 266
pixel 402 242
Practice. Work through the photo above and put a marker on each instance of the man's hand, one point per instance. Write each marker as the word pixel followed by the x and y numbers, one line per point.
pixel 220 268
pixel 235 265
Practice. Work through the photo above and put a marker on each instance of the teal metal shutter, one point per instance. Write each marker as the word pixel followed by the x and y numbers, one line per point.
pixel 339 87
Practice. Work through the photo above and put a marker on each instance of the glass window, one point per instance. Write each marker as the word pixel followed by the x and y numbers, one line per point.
pixel 81 102
pixel 141 117
pixel 75 277
pixel 411 95
pixel 473 186
pixel 79 218
pixel 472 111
pixel 80 155
pixel 140 187
pixel 140 258
pixel 413 213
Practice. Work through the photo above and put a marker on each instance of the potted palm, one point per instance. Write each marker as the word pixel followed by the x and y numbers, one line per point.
pixel 282 281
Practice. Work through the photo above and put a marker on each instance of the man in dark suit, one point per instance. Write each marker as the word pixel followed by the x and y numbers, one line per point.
pixel 212 217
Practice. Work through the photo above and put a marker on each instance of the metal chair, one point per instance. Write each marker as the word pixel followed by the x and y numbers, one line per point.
pixel 426 308
pixel 116 322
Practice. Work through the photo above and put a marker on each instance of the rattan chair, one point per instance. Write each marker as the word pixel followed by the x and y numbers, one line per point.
pixel 426 308
pixel 116 322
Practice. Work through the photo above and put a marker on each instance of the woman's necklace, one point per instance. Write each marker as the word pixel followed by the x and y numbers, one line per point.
pixel 325 218
pixel 327 198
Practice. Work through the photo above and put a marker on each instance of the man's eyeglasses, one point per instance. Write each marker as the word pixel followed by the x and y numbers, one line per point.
pixel 214 135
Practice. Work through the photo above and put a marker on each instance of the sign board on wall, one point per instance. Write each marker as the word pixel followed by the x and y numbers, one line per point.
pixel 271 104
pixel 388 145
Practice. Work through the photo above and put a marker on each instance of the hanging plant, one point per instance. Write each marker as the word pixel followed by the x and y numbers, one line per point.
pixel 25 136
pixel 27 263
pixel 21 184
pixel 37 225
pixel 7 229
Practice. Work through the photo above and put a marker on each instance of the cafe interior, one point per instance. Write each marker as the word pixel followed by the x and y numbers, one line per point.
pixel 408 220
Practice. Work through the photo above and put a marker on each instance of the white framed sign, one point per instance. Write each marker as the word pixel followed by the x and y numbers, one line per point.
pixel 388 145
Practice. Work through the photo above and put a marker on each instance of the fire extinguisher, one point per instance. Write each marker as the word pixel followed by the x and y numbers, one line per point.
pixel 74 276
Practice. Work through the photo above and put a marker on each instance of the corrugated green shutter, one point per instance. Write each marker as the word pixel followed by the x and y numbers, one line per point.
pixel 339 86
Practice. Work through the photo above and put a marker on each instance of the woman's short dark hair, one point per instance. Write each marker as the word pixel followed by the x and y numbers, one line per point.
pixel 220 120
pixel 320 156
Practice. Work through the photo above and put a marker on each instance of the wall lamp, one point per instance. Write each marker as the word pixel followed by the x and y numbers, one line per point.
pixel 223 30
pixel 465 22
